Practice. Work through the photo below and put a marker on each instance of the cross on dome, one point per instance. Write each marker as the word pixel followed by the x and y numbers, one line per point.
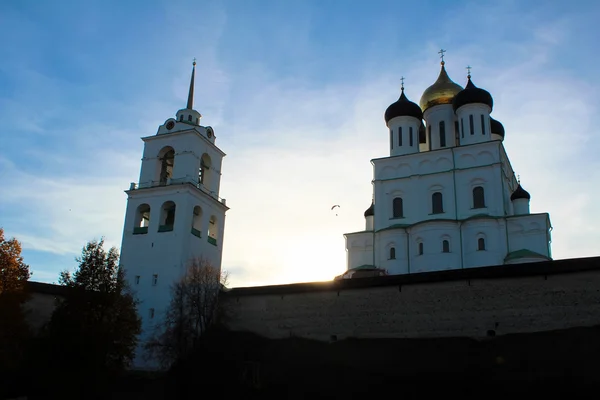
pixel 402 83
pixel 468 71
pixel 441 53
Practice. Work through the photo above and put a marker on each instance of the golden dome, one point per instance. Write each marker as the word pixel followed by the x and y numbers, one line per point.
pixel 441 92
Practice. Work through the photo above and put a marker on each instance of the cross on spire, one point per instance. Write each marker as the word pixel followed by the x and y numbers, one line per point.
pixel 441 53
pixel 468 71
pixel 194 63
pixel 402 83
pixel 190 102
pixel 519 179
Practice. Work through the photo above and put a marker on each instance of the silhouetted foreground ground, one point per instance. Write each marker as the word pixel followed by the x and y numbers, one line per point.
pixel 560 364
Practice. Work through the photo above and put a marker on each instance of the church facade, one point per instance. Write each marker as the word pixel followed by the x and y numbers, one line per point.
pixel 174 213
pixel 446 197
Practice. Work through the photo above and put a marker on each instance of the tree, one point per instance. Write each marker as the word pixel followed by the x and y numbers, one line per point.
pixel 14 330
pixel 192 311
pixel 93 330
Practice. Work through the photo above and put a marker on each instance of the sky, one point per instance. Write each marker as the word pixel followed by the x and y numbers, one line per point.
pixel 295 91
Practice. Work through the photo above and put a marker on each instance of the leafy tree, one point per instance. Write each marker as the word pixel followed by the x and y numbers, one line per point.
pixel 192 311
pixel 14 331
pixel 93 330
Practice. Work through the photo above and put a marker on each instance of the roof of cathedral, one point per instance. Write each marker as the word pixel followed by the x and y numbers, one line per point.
pixel 472 94
pixel 496 127
pixel 370 211
pixel 520 193
pixel 403 107
pixel 441 92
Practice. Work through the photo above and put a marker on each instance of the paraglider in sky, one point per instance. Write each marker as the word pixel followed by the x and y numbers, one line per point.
pixel 337 205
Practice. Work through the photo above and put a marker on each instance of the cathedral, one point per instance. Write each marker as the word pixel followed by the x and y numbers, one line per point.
pixel 446 197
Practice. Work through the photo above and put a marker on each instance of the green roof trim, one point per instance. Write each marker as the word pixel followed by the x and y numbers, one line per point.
pixel 524 253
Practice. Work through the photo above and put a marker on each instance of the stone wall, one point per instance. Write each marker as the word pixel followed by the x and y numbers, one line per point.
pixel 466 303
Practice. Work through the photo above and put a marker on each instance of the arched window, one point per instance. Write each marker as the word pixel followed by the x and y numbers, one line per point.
pixel 204 172
pixel 167 217
pixel 437 204
pixel 197 222
pixel 445 246
pixel 482 125
pixel 392 253
pixel 481 244
pixel 478 197
pixel 212 230
pixel 420 248
pixel 410 136
pixel 422 135
pixel 142 219
pixel 429 136
pixel 462 128
pixel 400 136
pixel 442 134
pixel 472 126
pixel 397 208
pixel 167 162
pixel 189 118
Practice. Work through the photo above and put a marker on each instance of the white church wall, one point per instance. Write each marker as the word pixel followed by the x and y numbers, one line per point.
pixel 488 178
pixel 493 233
pixel 407 124
pixel 398 239
pixel 431 235
pixel 529 232
pixel 433 116
pixel 359 249
pixel 479 133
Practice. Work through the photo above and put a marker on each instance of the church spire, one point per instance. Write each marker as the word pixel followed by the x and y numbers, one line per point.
pixel 190 103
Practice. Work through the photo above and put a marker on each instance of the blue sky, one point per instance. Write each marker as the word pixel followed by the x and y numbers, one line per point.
pixel 296 92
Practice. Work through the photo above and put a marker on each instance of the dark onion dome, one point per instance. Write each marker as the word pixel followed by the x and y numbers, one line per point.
pixel 441 92
pixel 370 211
pixel 472 94
pixel 403 107
pixel 496 127
pixel 520 193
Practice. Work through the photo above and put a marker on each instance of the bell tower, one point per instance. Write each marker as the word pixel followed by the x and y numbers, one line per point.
pixel 174 212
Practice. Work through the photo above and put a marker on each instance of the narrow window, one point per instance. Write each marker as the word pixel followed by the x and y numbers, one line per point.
pixel 442 134
pixel 189 118
pixel 410 136
pixel 167 162
pixel 456 129
pixel 137 279
pixel 391 138
pixel 446 246
pixel 462 128
pixel 437 204
pixel 151 313
pixel 482 125
pixel 481 244
pixel 397 208
pixel 154 279
pixel 478 197
pixel 181 117
pixel 471 125
pixel 422 136
pixel 429 136
pixel 197 121
pixel 421 248
pixel 400 136
pixel 392 253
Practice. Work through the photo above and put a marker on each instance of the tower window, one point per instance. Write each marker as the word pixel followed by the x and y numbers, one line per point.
pixel 442 134
pixel 154 279
pixel 462 128
pixel 137 279
pixel 421 248
pixel 391 138
pixel 397 208
pixel 167 162
pixel 189 118
pixel 422 135
pixel 181 117
pixel 481 244
pixel 482 124
pixel 167 219
pixel 410 136
pixel 456 134
pixel 197 121
pixel 212 230
pixel 478 197
pixel 445 246
pixel 472 126
pixel 392 253
pixel 142 219
pixel 151 313
pixel 437 204
pixel 400 136
pixel 429 136
pixel 204 171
